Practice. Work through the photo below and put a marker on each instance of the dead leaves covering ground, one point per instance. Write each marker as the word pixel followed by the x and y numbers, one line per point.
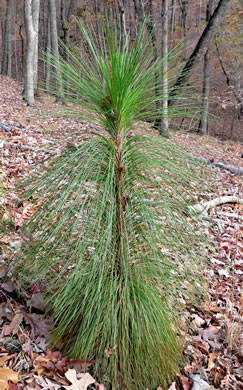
pixel 213 351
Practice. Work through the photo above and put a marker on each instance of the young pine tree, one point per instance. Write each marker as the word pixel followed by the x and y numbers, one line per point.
pixel 111 243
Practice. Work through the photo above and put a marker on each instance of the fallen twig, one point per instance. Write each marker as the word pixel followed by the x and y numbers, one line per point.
pixel 5 128
pixel 27 147
pixel 204 207
pixel 234 170
pixel 231 215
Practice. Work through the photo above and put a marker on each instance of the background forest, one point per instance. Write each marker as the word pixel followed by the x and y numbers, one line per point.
pixel 216 79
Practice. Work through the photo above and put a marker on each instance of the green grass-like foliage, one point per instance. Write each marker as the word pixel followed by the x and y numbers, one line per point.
pixel 111 243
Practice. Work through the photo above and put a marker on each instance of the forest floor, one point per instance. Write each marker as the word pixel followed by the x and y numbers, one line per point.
pixel 213 355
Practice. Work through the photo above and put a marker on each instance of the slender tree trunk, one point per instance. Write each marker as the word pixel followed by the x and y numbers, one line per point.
pixel 202 46
pixel 172 18
pixel 164 121
pixel 7 41
pixel 36 14
pixel 121 7
pixel 139 9
pixel 184 9
pixel 31 8
pixel 203 124
pixel 22 46
pixel 66 13
pixel 48 51
pixel 150 23
pixel 98 30
pixel 55 49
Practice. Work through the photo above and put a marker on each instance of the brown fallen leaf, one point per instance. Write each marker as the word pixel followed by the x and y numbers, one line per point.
pixel 46 384
pixel 197 321
pixel 13 327
pixel 5 358
pixel 78 384
pixel 3 270
pixel 185 383
pixel 6 374
pixel 172 387
pixel 212 357
pixel 79 364
pixel 202 347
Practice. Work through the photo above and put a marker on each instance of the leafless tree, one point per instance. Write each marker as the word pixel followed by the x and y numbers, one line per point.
pixel 31 8
pixel 7 40
pixel 202 46
pixel 54 47
pixel 203 124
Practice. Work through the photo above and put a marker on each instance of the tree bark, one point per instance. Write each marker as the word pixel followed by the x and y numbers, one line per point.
pixel 55 49
pixel 121 7
pixel 203 124
pixel 164 121
pixel 98 29
pixel 30 68
pixel 36 14
pixel 48 51
pixel 202 46
pixel 172 18
pixel 7 41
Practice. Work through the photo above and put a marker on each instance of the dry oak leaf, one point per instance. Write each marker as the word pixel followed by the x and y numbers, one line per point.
pixel 172 387
pixel 185 383
pixel 6 374
pixel 212 357
pixel 5 358
pixel 46 384
pixel 78 384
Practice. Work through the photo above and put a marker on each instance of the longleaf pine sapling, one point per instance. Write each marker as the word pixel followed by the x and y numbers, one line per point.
pixel 112 246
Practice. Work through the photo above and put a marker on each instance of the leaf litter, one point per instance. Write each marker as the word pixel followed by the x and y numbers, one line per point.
pixel 213 355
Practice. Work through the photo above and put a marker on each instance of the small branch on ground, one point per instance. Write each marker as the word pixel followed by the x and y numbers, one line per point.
pixel 204 207
pixel 234 170
pixel 26 147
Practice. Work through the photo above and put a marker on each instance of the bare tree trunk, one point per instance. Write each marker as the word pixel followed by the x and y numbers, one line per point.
pixel 66 13
pixel 98 30
pixel 164 121
pixel 48 51
pixel 184 9
pixel 139 9
pixel 36 14
pixel 202 46
pixel 55 50
pixel 7 41
pixel 30 78
pixel 203 124
pixel 172 18
pixel 121 7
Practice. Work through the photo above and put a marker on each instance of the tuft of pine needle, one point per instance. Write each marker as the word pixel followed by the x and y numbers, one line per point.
pixel 111 243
